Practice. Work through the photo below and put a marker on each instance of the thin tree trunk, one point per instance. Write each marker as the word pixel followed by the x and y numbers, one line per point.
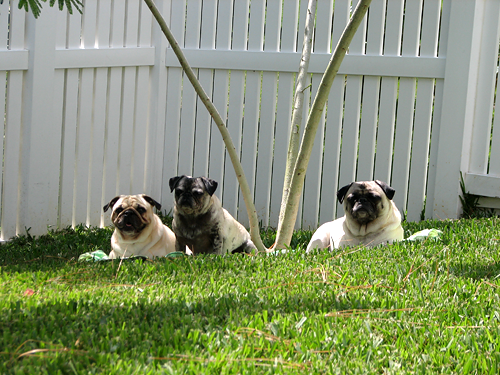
pixel 245 189
pixel 285 231
pixel 298 104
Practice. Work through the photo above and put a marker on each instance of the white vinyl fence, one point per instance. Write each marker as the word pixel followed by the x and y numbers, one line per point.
pixel 96 105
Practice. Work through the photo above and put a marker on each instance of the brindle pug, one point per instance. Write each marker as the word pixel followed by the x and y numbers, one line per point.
pixel 201 223
pixel 371 218
pixel 138 230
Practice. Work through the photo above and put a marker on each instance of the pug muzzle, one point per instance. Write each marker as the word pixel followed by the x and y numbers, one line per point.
pixel 129 221
pixel 364 209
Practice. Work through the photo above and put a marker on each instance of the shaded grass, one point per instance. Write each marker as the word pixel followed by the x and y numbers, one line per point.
pixel 405 308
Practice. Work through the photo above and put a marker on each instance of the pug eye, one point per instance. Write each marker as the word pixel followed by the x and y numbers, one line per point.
pixel 141 210
pixel 118 210
pixel 352 198
pixel 178 191
pixel 197 193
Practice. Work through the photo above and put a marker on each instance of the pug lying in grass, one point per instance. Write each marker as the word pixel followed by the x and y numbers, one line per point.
pixel 138 230
pixel 371 218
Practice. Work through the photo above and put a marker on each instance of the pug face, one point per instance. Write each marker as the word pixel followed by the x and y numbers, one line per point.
pixel 192 195
pixel 365 201
pixel 132 213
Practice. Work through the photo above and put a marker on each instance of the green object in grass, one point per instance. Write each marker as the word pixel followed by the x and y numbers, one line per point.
pixel 93 256
pixel 100 255
pixel 424 234
pixel 175 254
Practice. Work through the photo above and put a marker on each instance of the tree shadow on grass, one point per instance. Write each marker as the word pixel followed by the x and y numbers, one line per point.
pixel 55 248
pixel 90 330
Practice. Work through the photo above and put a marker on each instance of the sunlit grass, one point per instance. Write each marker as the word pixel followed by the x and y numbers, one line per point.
pixel 429 306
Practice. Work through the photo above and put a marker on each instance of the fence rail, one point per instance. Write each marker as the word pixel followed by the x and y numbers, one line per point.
pixel 96 105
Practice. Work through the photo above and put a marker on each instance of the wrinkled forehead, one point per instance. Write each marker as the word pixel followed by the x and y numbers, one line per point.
pixel 130 201
pixel 362 187
pixel 190 183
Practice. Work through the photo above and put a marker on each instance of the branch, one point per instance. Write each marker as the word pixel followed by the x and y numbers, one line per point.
pixel 293 146
pixel 284 236
pixel 238 169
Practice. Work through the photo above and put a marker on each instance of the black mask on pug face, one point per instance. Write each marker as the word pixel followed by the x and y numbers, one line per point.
pixel 364 200
pixel 192 194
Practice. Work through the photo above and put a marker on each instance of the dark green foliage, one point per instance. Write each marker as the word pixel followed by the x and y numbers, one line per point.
pixel 35 6
pixel 470 204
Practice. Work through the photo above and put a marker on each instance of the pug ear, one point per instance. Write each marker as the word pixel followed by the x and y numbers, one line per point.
pixel 342 192
pixel 389 192
pixel 111 203
pixel 174 181
pixel 152 202
pixel 210 185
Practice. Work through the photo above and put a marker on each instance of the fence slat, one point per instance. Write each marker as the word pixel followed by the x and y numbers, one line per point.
pixel 234 118
pixel 89 25
pixel 202 133
pixel 431 173
pixel 141 128
pixel 103 24
pixel 82 158
pixel 95 198
pixel 405 111
pixel 189 97
pixel 235 106
pixel 4 41
pixel 256 25
pixel 145 25
pixel 203 119
pixel 282 136
pixel 323 26
pixel 423 115
pixel 154 179
pixel 58 116
pixel 174 102
pixel 249 139
pixel 220 95
pixel 4 26
pixel 402 142
pixel 420 149
pixel 388 94
pixel 350 132
pixel 283 109
pixel 368 128
pixel 371 91
pixel 266 132
pixel 12 164
pixel 266 141
pixel 333 140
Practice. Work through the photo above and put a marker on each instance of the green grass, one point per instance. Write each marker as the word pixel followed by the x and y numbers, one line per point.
pixel 425 307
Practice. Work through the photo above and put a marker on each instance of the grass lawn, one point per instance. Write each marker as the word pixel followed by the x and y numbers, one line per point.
pixel 419 307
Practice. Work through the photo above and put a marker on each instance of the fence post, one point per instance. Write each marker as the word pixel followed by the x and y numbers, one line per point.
pixel 459 92
pixel 41 136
